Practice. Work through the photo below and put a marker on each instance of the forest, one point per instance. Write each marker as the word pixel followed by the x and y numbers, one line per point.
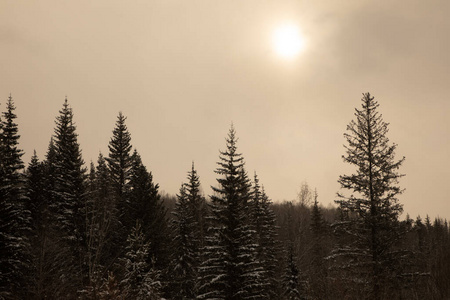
pixel 105 231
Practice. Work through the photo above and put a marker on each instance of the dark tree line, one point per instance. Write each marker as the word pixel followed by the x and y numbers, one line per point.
pixel 68 232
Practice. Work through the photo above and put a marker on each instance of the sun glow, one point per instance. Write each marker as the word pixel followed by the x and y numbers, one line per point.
pixel 288 41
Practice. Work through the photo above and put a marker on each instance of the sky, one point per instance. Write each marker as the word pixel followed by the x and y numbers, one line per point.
pixel 183 71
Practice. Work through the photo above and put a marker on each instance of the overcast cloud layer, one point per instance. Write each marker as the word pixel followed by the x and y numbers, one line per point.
pixel 183 71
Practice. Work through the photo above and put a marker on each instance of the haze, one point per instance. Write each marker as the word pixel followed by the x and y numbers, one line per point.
pixel 183 71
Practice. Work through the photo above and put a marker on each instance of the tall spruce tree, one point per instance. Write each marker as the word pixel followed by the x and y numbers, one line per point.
pixel 369 227
pixel 69 200
pixel 189 232
pixel 101 220
pixel 229 270
pixel 144 204
pixel 14 216
pixel 198 208
pixel 293 287
pixel 184 259
pixel 119 160
pixel 141 280
pixel 319 250
pixel 119 165
pixel 38 206
pixel 263 224
pixel 49 257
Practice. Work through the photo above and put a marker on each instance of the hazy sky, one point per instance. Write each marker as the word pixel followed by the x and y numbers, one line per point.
pixel 183 70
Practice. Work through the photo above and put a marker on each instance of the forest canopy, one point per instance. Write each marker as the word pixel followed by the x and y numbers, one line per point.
pixel 105 231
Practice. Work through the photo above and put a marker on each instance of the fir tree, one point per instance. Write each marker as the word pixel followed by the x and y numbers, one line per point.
pixel 184 272
pixel 293 287
pixel 141 280
pixel 263 223
pixel 14 216
pixel 319 250
pixel 370 225
pixel 119 160
pixel 38 206
pixel 70 176
pixel 188 227
pixel 229 270
pixel 198 208
pixel 291 279
pixel 144 205
pixel 69 201
pixel 101 219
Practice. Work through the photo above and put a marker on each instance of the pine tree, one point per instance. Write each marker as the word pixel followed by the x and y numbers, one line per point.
pixel 70 176
pixel 101 219
pixel 319 250
pixel 291 279
pixel 141 280
pixel 198 208
pixel 263 223
pixel 144 205
pixel 14 216
pixel 69 202
pixel 38 206
pixel 119 160
pixel 293 287
pixel 229 271
pixel 183 271
pixel 48 257
pixel 189 233
pixel 370 225
pixel 119 164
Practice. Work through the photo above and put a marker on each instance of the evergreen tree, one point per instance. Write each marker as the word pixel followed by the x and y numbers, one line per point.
pixel 70 176
pixel 101 219
pixel 14 217
pixel 293 286
pixel 144 205
pixel 48 257
pixel 370 223
pixel 69 202
pixel 291 279
pixel 318 225
pixel 263 223
pixel 38 206
pixel 198 208
pixel 119 164
pixel 119 160
pixel 229 270
pixel 319 250
pixel 184 259
pixel 189 232
pixel 141 280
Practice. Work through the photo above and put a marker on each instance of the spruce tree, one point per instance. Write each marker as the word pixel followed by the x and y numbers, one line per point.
pixel 229 270
pixel 144 205
pixel 319 250
pixel 14 216
pixel 69 201
pixel 119 160
pixel 38 206
pixel 293 287
pixel 370 228
pixel 141 280
pixel 291 277
pixel 48 255
pixel 189 232
pixel 184 260
pixel 263 224
pixel 101 222
pixel 198 208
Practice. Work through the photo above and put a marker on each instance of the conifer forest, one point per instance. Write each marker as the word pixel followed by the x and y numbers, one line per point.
pixel 69 230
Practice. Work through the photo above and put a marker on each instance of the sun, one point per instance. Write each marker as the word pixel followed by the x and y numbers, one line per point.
pixel 288 41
